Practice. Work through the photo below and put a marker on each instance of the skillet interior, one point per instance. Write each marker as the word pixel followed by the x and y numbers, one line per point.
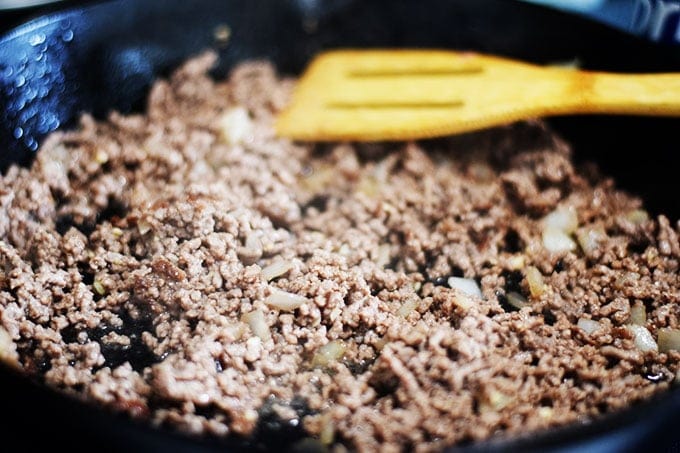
pixel 104 57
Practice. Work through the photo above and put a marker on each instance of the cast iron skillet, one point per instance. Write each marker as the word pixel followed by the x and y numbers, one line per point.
pixel 103 56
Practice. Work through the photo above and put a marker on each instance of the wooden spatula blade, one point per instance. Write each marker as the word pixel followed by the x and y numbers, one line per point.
pixel 383 94
pixel 377 95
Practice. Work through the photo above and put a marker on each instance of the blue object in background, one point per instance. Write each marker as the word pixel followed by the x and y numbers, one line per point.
pixel 657 20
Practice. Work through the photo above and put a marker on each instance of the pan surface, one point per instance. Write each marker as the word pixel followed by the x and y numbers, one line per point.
pixel 104 56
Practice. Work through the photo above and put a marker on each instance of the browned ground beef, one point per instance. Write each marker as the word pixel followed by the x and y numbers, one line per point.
pixel 133 253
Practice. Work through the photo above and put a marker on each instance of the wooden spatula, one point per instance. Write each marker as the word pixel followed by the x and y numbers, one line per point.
pixel 410 94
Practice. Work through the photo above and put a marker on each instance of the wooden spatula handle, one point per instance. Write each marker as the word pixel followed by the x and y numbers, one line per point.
pixel 643 94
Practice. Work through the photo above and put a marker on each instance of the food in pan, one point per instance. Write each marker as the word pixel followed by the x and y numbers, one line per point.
pixel 187 267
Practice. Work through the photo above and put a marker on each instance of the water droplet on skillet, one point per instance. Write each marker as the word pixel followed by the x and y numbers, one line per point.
pixel 31 143
pixel 37 39
pixel 654 377
pixel 67 36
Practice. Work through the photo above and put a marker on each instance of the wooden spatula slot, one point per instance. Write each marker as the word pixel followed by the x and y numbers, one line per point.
pixel 394 105
pixel 414 72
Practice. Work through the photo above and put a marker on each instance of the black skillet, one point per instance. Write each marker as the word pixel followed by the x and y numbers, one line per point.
pixel 103 56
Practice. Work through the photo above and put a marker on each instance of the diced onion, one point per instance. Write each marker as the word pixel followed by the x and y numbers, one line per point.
pixel 99 287
pixel 626 279
pixel 465 285
pixel 464 301
pixel 545 412
pixel 276 269
pixel 588 325
pixel 638 314
pixel 345 250
pixel 590 238
pixel 669 339
pixel 369 186
pixel 251 250
pixel 643 338
pixel 329 353
pixel 319 178
pixel 516 262
pixel 382 258
pixel 557 241
pixel 481 171
pixel 327 434
pixel 379 344
pixel 101 157
pixel 637 216
pixel 407 307
pixel 235 331
pixel 255 319
pixel 221 34
pixel 563 218
pixel 250 415
pixel 283 300
pixel 253 242
pixel 535 281
pixel 144 227
pixel 495 401
pixel 235 125
pixel 516 300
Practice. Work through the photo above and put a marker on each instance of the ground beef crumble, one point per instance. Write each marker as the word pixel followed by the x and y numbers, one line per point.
pixel 145 259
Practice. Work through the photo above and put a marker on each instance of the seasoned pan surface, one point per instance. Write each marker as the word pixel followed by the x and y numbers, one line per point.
pixel 83 60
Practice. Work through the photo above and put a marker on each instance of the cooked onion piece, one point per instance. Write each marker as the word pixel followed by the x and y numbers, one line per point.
pixel 276 269
pixel 590 238
pixel 517 300
pixel 557 241
pixel 318 178
pixel 329 353
pixel 99 287
pixel 563 218
pixel 255 319
pixel 382 257
pixel 669 339
pixel 236 125
pixel 466 285
pixel 588 325
pixel 143 226
pixel 535 281
pixel 637 216
pixel 516 262
pixel 283 300
pixel 494 401
pixel 327 434
pixel 557 228
pixel 643 338
pixel 638 314
pixel 407 307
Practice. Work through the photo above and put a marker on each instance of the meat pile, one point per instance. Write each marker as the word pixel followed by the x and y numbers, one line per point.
pixel 188 267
